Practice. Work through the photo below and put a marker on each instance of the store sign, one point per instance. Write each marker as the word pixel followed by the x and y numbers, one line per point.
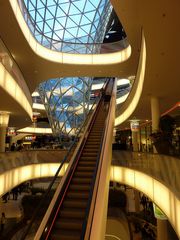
pixel 134 126
pixel 11 131
pixel 30 138
pixel 158 213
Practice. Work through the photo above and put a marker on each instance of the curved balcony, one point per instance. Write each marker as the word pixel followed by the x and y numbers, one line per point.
pixel 155 175
pixel 132 99
pixel 13 84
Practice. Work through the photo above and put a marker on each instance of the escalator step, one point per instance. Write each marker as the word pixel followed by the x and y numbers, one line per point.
pixel 82 174
pixel 70 212
pixel 84 158
pixel 75 204
pixel 91 150
pixel 91 147
pixel 81 180
pixel 77 195
pixel 87 163
pixel 69 224
pixel 90 154
pixel 65 235
pixel 80 187
pixel 85 168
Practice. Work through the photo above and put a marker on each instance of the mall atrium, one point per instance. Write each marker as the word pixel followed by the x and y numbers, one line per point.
pixel 89 108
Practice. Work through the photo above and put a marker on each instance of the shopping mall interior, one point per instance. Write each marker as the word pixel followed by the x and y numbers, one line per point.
pixel 89 119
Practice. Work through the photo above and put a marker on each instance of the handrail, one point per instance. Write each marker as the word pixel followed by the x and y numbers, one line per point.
pixel 93 181
pixel 34 216
pixel 91 191
pixel 107 47
pixel 159 167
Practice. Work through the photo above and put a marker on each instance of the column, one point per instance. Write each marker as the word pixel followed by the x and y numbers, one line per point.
pixel 4 120
pixel 135 137
pixel 162 231
pixel 135 134
pixel 136 200
pixel 114 136
pixel 155 115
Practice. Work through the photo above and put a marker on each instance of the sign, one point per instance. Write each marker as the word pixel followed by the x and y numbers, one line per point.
pixel 11 131
pixel 30 138
pixel 134 126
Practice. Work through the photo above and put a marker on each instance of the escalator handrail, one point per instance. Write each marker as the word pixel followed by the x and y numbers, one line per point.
pixel 35 214
pixel 93 183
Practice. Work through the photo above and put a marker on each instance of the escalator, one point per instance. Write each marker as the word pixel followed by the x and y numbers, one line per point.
pixel 68 219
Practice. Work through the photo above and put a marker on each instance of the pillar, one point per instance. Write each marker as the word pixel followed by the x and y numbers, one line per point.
pixel 135 137
pixel 162 223
pixel 155 113
pixel 162 231
pixel 136 200
pixel 134 123
pixel 4 120
pixel 114 136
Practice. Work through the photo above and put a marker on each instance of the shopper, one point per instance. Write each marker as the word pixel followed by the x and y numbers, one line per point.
pixel 3 221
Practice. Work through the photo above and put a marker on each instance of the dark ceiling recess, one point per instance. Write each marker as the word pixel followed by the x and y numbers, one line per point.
pixel 114 31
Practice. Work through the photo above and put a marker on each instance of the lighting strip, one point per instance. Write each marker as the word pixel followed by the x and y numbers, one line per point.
pixel 8 84
pixel 16 176
pixel 131 105
pixel 35 130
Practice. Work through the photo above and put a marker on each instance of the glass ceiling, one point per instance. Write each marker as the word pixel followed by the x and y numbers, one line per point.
pixel 73 26
pixel 55 23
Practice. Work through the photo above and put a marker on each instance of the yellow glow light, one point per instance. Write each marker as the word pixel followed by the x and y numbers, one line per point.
pixel 123 81
pixel 121 99
pixel 38 106
pixel 36 130
pixel 133 101
pixel 8 83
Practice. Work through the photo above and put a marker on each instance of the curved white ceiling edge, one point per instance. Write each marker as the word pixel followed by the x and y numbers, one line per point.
pixel 66 58
pixel 134 95
pixel 163 197
pixel 8 84
pixel 160 194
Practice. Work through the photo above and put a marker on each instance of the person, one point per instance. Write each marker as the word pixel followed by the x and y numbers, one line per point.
pixel 3 221
pixel 13 147
pixel 144 202
pixel 5 197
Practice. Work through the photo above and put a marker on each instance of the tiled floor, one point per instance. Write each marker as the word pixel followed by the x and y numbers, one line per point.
pixel 12 208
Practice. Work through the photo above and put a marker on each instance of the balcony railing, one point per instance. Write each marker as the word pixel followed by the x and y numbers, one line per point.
pixel 164 168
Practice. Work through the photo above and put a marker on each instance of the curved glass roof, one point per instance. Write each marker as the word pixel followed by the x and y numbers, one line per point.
pixel 66 102
pixel 55 23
